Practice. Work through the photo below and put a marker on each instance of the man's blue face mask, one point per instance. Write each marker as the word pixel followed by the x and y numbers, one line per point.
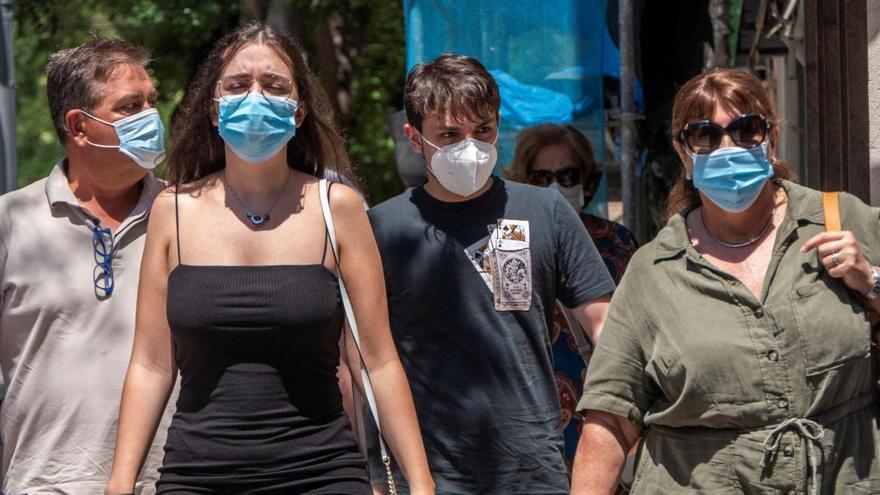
pixel 256 127
pixel 732 178
pixel 141 137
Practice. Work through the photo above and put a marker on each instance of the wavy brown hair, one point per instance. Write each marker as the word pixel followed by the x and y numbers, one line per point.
pixel 732 89
pixel 458 84
pixel 196 148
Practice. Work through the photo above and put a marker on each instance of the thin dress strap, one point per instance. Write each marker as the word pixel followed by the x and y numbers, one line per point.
pixel 177 223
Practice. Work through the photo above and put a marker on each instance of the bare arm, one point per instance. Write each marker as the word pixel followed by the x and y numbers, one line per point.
pixel 605 440
pixel 591 315
pixel 151 370
pixel 361 267
pixel 345 386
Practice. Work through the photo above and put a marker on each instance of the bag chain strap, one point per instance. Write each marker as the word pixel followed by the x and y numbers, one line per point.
pixel 392 485
pixel 352 326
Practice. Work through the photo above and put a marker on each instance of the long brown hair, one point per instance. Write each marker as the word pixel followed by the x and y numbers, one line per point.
pixel 197 149
pixel 697 99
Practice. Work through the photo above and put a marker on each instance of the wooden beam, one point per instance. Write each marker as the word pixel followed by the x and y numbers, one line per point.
pixel 837 96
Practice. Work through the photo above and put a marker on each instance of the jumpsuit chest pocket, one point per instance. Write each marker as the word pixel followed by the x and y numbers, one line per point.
pixel 832 327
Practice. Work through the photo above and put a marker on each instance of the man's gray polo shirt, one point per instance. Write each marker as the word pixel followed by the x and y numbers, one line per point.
pixel 64 350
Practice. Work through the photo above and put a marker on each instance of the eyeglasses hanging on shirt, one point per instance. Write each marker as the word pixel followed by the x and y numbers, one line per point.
pixel 102 275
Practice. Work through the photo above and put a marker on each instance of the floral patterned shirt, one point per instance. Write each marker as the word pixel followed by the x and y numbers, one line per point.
pixel 616 245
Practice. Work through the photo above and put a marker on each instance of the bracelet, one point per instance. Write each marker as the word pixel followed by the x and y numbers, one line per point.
pixel 874 291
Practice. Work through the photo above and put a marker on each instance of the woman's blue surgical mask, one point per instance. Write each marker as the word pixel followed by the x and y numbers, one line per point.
pixel 256 127
pixel 141 137
pixel 732 178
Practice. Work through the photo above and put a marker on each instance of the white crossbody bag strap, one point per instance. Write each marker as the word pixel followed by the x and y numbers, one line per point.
pixel 352 326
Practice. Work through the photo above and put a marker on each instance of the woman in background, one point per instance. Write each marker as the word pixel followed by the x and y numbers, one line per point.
pixel 560 157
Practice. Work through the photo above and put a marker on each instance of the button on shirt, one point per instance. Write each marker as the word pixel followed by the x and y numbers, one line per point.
pixel 64 350
pixel 712 370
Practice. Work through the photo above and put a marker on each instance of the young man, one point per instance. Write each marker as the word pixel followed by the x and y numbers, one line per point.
pixel 473 265
pixel 70 253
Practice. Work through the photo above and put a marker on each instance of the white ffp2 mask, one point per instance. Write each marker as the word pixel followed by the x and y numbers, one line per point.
pixel 463 167
pixel 574 195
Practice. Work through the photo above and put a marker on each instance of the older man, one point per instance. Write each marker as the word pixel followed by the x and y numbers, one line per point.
pixel 70 250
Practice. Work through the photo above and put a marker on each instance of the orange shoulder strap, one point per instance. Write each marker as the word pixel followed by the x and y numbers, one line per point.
pixel 831 203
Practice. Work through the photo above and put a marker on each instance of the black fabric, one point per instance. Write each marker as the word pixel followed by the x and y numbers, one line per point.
pixel 259 409
pixel 483 379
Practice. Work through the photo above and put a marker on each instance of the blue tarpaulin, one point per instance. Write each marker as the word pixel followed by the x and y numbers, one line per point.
pixel 547 56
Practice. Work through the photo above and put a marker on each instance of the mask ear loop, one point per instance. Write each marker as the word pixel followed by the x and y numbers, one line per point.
pixel 422 136
pixel 688 175
pixel 111 124
pixel 427 162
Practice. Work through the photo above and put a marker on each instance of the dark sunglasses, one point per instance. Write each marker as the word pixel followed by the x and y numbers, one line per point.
pixel 565 177
pixel 704 136
pixel 102 275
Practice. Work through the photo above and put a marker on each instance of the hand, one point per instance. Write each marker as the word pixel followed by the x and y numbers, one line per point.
pixel 842 257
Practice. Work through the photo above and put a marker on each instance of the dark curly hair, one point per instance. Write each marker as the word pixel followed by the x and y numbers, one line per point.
pixel 197 149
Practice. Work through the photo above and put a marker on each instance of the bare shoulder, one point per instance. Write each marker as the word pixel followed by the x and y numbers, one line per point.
pixel 163 206
pixel 345 200
pixel 177 196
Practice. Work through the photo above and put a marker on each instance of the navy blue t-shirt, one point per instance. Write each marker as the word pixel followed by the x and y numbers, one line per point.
pixel 482 379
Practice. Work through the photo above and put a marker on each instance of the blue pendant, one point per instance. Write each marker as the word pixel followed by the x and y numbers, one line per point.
pixel 257 220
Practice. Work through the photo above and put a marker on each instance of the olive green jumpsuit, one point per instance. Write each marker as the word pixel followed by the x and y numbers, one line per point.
pixel 739 394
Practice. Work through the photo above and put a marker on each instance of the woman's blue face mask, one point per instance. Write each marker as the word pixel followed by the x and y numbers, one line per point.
pixel 732 178
pixel 256 127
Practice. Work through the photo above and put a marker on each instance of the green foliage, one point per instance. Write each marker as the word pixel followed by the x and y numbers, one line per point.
pixel 179 34
pixel 379 72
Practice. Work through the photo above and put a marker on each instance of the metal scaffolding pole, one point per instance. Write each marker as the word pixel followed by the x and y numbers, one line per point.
pixel 8 161
pixel 627 116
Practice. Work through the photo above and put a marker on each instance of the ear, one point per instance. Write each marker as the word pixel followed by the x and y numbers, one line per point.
pixel 74 121
pixel 772 140
pixel 215 110
pixel 415 138
pixel 684 156
pixel 302 109
pixel 591 184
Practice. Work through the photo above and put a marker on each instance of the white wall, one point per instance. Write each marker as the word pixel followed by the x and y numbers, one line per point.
pixel 874 96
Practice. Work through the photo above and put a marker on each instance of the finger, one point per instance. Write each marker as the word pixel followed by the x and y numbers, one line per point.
pixel 845 268
pixel 837 270
pixel 847 259
pixel 825 249
pixel 821 238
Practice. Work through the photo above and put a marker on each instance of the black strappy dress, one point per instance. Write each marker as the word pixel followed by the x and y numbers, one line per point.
pixel 259 409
